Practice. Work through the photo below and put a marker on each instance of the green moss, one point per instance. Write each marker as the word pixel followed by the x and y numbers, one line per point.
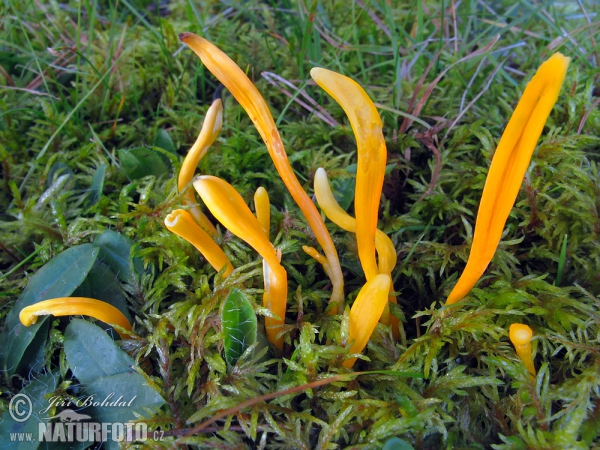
pixel 129 78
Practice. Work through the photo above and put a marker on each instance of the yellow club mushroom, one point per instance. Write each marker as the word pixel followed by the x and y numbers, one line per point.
pixel 372 154
pixel 365 313
pixel 508 168
pixel 236 81
pixel 262 207
pixel 76 306
pixel 520 335
pixel 386 252
pixel 209 132
pixel 181 223
pixel 229 208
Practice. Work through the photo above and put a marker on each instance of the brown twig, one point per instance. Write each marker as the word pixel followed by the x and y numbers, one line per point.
pixel 7 76
pixel 585 116
pixel 29 91
pixel 263 398
pixel 277 80
pixel 488 82
pixel 428 139
pixel 37 81
pixel 592 40
pixel 374 18
pixel 419 106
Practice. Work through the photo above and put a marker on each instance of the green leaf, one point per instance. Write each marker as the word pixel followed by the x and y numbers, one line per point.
pixel 239 326
pixel 102 284
pixel 164 141
pixel 92 354
pixel 97 185
pixel 343 191
pixel 56 171
pixel 140 161
pixel 107 374
pixel 58 278
pixel 561 261
pixel 36 392
pixel 397 444
pixel 115 251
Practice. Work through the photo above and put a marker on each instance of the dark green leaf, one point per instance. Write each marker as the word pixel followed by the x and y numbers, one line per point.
pixel 56 171
pixel 107 374
pixel 343 191
pixel 561 261
pixel 58 278
pixel 129 394
pixel 397 444
pixel 239 326
pixel 115 251
pixel 140 161
pixel 102 284
pixel 164 141
pixel 97 185
pixel 92 354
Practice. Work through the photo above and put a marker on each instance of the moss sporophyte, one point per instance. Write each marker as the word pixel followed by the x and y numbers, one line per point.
pixel 376 251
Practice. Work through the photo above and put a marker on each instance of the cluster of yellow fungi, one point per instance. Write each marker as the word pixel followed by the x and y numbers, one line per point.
pixel 376 251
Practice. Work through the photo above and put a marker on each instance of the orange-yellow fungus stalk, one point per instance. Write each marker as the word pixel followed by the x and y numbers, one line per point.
pixel 520 335
pixel 262 206
pixel 76 306
pixel 386 252
pixel 210 130
pixel 313 253
pixel 274 290
pixel 508 168
pixel 372 153
pixel 229 208
pixel 183 225
pixel 385 247
pixel 236 81
pixel 365 313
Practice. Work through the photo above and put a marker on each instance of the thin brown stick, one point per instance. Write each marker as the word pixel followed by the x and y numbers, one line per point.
pixel 585 116
pixel 316 109
pixel 29 91
pixel 592 40
pixel 419 106
pixel 472 102
pixel 374 18
pixel 263 398
pixel 7 76
pixel 428 141
pixel 455 25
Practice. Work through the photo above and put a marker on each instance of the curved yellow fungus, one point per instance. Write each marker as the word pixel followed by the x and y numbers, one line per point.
pixel 272 287
pixel 386 252
pixel 365 313
pixel 210 130
pixel 274 290
pixel 236 81
pixel 262 206
pixel 385 247
pixel 520 335
pixel 76 306
pixel 183 225
pixel 229 208
pixel 372 154
pixel 508 168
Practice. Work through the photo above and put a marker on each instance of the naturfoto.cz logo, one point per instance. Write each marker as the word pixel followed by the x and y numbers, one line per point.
pixel 71 426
